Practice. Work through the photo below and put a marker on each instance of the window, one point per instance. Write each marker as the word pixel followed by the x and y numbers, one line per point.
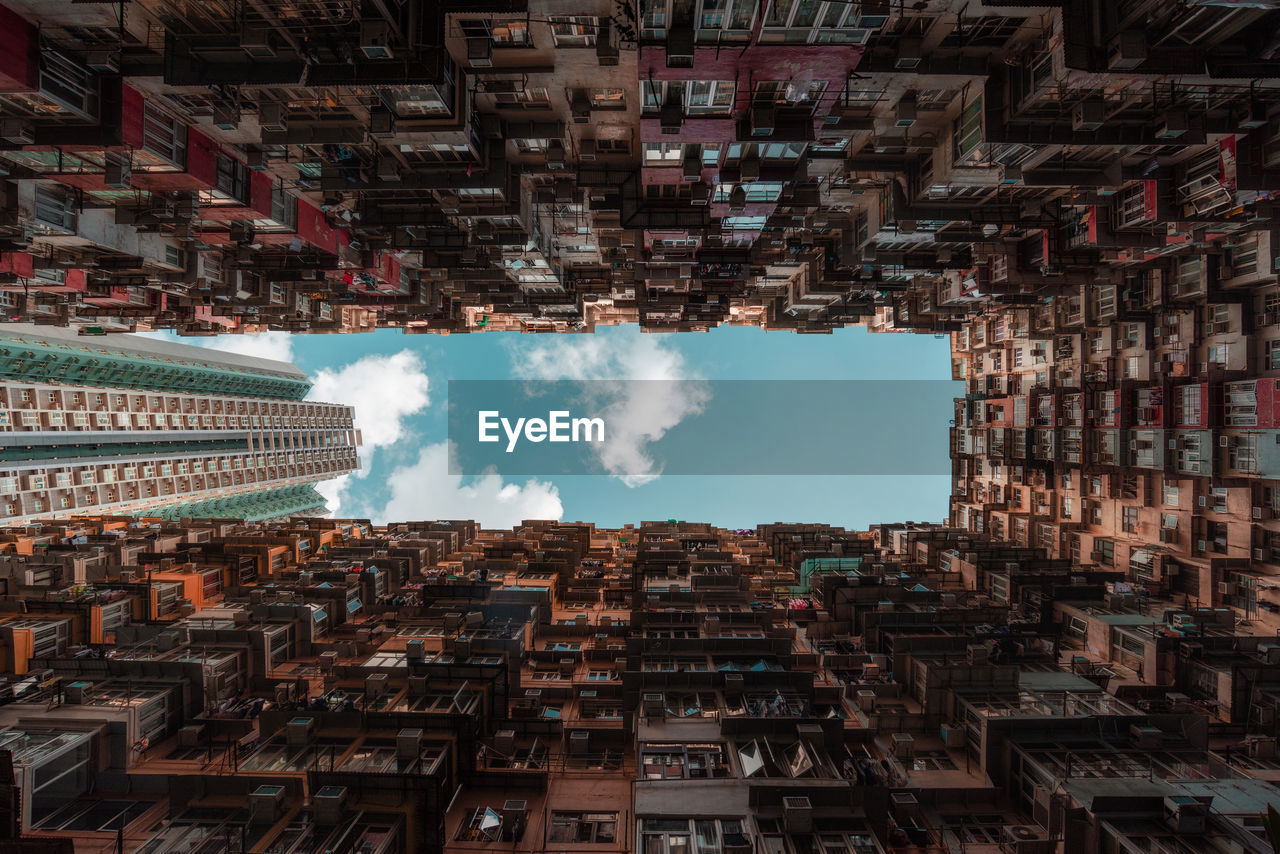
pixel 809 22
pixel 682 761
pixel 485 824
pixel 1219 354
pixel 969 134
pixel 1170 496
pixel 500 33
pixel 606 99
pixel 54 207
pixel 232 181
pixel 422 100
pixel 663 153
pixel 531 97
pixel 681 836
pixel 1104 552
pixel 715 20
pixel 162 136
pixel 757 191
pixel 583 828
pixel 699 97
pixel 784 93
pixel 575 31
pixel 1273 355
pixel 622 145
pixel 987 31
pixel 1129 520
pixel 725 20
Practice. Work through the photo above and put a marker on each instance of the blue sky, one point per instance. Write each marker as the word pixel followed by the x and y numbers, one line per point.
pixel 397 384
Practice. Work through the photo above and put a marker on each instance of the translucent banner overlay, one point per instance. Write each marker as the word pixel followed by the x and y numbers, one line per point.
pixel 643 428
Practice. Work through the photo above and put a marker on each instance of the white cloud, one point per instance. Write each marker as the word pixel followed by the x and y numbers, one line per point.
pixel 426 490
pixel 637 413
pixel 263 345
pixel 384 391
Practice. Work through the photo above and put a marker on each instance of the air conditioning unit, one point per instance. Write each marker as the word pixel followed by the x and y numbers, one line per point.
pixel 749 168
pixel 118 172
pixel 375 40
pixel 671 116
pixel 415 650
pixel 580 107
pixel 909 53
pixel 1259 554
pixel 1261 747
pixel 382 123
pixel 504 741
pixel 680 47
pixel 1185 814
pixel 515 814
pixel 692 163
pixel 266 805
pixel 329 804
pixel 953 736
pixel 905 112
pixel 1227 588
pixel 586 149
pixel 409 743
pixel 76 693
pixel 103 61
pixel 1088 115
pixel 375 686
pixel 1269 652
pixel 17 131
pixel 579 742
pixel 797 814
pixel 1175 124
pixel 271 116
pixel 904 745
pixel 653 705
pixel 606 43
pixel 1146 737
pixel 976 653
pixel 226 116
pixel 297 732
pixel 1026 839
pixel 762 120
pixel 1127 50
pixel 259 42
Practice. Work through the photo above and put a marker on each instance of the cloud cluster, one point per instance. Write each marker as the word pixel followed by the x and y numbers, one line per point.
pixel 426 490
pixel 385 392
pixel 638 413
pixel 262 345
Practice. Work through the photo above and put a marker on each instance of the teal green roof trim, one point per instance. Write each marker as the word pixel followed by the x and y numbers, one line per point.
pixel 250 506
pixel 30 359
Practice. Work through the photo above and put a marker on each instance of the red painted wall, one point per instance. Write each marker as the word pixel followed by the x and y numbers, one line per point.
pixel 19 53
pixel 131 116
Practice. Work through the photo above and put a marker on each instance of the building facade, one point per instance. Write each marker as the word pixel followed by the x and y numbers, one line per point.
pixel 130 425
pixel 426 686
pixel 451 167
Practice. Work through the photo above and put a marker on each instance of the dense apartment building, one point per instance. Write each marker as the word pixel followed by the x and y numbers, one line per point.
pixel 312 685
pixel 337 165
pixel 125 424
